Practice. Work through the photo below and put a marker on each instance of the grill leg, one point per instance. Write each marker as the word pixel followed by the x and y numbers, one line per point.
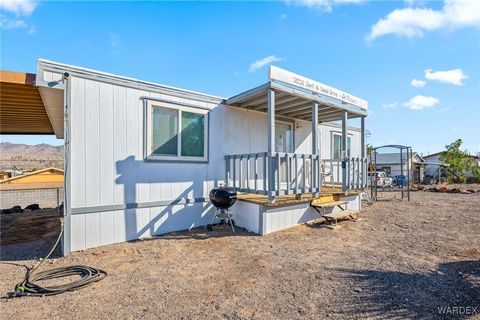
pixel 230 221
pixel 214 216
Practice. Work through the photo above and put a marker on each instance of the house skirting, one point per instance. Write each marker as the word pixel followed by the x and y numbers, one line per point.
pixel 265 219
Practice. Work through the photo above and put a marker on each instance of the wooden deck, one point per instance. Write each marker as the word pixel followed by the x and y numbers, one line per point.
pixel 328 194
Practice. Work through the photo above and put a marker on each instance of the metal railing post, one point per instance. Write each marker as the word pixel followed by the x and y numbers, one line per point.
pixel 271 143
pixel 344 151
pixel 296 173
pixel 287 171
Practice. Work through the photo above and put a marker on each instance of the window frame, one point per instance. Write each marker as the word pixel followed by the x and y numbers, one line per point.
pixel 332 145
pixel 292 124
pixel 148 132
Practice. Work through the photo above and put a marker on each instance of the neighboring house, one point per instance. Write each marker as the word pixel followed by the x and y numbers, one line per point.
pixel 12 172
pixel 4 175
pixel 392 164
pixel 48 176
pixel 141 158
pixel 43 187
pixel 434 162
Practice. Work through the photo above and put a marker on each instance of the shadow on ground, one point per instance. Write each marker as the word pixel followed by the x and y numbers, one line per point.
pixel 398 295
pixel 219 230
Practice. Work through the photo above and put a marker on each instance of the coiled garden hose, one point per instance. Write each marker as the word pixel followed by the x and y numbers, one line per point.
pixel 29 287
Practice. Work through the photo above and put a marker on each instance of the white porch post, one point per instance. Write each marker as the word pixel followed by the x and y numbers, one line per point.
pixel 362 127
pixel 363 153
pixel 271 145
pixel 316 175
pixel 344 151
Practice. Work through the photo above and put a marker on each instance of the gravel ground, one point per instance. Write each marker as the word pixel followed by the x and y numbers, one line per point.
pixel 400 260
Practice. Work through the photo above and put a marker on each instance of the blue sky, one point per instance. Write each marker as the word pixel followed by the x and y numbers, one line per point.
pixel 371 49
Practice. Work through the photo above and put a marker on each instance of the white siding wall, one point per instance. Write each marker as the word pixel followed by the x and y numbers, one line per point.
pixel 108 167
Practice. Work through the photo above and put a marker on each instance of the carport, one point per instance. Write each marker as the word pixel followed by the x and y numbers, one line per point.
pixel 26 109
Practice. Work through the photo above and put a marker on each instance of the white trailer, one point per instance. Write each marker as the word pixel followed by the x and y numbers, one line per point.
pixel 141 158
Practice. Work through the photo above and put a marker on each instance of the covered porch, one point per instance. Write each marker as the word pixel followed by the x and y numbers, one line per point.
pixel 275 173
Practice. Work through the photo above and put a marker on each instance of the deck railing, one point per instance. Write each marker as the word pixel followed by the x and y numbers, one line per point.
pixel 278 173
pixel 282 173
pixel 356 173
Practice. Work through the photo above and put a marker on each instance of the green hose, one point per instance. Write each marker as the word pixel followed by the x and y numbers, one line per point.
pixel 28 287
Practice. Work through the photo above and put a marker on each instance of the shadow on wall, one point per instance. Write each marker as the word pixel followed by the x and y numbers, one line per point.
pixel 150 221
pixel 398 295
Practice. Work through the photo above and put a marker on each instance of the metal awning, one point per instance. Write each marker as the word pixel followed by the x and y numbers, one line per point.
pixel 21 107
pixel 295 103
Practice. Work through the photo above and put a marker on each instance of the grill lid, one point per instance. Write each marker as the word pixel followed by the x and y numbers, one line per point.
pixel 223 197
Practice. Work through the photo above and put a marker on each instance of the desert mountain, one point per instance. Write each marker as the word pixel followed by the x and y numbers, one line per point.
pixel 28 157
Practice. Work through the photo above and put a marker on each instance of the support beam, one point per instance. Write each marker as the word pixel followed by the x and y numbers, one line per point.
pixel 271 143
pixel 306 111
pixel 344 151
pixel 363 152
pixel 316 180
pixel 336 117
pixel 259 103
pixel 362 129
pixel 284 103
pixel 281 104
pixel 314 127
pixel 271 121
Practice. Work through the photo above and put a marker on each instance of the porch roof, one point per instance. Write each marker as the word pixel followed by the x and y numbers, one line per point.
pixel 296 101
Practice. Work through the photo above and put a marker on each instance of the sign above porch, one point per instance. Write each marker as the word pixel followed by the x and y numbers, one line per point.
pixel 278 74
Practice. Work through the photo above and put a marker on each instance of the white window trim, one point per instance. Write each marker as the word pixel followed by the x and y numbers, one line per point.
pixel 332 144
pixel 180 108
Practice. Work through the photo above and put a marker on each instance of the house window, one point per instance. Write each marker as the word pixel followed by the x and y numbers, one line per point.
pixel 176 132
pixel 337 146
pixel 387 170
pixel 283 136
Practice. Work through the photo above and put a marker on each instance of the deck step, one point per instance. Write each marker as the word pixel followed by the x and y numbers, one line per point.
pixel 331 204
pixel 339 214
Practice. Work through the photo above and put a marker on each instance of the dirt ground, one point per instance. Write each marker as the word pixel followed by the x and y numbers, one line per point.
pixel 401 260
pixel 29 226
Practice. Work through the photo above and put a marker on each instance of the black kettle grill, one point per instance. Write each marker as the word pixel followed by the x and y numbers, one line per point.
pixel 223 198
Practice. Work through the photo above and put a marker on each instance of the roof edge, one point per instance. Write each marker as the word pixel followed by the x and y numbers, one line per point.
pixel 100 75
pixel 31 174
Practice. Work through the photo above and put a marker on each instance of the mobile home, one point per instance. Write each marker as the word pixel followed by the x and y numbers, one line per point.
pixel 157 151
pixel 395 164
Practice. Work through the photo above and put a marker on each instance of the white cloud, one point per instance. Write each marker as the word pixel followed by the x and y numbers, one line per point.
pixel 16 23
pixel 418 83
pixel 11 12
pixel 412 3
pixel 324 5
pixel 263 62
pixel 18 7
pixel 421 102
pixel 455 76
pixel 414 22
pixel 390 105
pixel 12 23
